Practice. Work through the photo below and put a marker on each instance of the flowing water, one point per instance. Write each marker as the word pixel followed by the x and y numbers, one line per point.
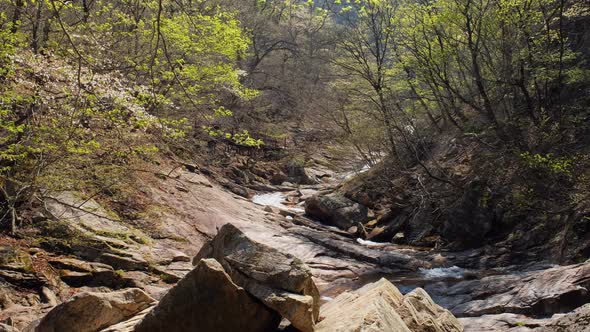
pixel 353 173
pixel 406 281
pixel 277 199
pixel 449 286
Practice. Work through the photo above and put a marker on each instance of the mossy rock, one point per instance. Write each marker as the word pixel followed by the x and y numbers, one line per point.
pixel 13 258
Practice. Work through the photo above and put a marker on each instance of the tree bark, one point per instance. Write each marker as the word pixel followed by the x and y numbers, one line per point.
pixel 18 11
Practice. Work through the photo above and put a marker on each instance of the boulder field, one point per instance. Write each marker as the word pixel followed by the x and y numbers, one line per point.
pixel 268 263
pixel 238 284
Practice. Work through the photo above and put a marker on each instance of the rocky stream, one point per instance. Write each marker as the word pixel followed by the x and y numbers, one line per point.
pixel 266 263
pixel 535 296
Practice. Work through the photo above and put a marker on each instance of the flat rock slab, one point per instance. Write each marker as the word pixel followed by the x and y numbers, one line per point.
pixel 502 322
pixel 23 279
pixel 541 293
pixel 579 320
pixel 87 214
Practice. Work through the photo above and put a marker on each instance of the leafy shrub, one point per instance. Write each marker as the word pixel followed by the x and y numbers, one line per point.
pixel 548 162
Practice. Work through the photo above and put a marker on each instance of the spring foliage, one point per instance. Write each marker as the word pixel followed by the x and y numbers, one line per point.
pixel 114 80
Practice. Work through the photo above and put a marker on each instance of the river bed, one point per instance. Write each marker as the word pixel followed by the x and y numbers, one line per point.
pixel 441 281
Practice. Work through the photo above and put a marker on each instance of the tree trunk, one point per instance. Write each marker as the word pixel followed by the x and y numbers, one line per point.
pixel 35 28
pixel 18 11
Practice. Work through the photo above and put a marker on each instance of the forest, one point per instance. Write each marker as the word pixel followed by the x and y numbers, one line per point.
pixel 312 154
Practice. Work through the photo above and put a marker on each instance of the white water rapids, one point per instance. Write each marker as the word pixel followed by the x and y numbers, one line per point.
pixel 454 272
pixel 276 199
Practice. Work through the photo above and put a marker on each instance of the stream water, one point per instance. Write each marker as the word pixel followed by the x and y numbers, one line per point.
pixel 439 277
pixel 405 280
pixel 279 200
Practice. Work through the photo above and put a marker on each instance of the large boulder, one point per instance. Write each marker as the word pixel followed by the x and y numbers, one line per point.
pixel 370 309
pixel 281 281
pixel 336 210
pixel 381 307
pixel 205 300
pixel 90 312
pixel 420 313
pixel 278 178
pixel 299 174
pixel 77 273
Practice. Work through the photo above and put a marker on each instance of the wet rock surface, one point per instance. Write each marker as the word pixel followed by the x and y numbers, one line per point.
pixel 540 293
pixel 343 246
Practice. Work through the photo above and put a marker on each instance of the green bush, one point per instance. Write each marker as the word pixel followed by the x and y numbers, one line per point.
pixel 548 162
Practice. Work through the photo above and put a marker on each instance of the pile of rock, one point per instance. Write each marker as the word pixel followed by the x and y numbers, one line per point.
pixel 241 285
pixel 280 281
pixel 236 285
